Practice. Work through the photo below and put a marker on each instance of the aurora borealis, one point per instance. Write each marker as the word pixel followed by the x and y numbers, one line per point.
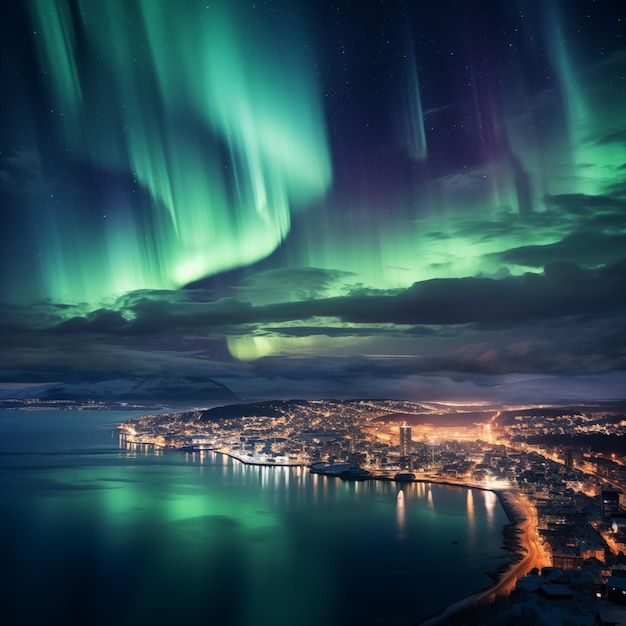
pixel 402 199
pixel 219 160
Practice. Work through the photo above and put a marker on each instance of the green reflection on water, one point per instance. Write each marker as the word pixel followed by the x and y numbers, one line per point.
pixel 108 537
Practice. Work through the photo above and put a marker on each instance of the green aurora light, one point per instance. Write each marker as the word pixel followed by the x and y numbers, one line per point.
pixel 324 153
pixel 219 123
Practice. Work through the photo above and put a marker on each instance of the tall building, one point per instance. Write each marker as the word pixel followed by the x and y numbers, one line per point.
pixel 610 502
pixel 405 445
pixel 405 440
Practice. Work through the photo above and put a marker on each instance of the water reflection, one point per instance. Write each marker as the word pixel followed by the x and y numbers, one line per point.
pixel 470 503
pixel 471 515
pixel 198 531
pixel 400 514
pixel 135 449
pixel 490 505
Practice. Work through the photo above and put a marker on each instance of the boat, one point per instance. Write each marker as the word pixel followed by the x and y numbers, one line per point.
pixel 356 473
pixel 329 469
pixel 345 471
pixel 404 477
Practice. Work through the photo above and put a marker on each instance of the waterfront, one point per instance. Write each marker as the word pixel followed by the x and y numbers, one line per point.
pixel 101 534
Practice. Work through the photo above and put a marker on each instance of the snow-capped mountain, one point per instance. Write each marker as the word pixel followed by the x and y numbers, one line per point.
pixel 145 388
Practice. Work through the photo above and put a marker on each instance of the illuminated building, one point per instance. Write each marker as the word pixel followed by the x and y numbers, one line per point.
pixel 610 502
pixel 405 445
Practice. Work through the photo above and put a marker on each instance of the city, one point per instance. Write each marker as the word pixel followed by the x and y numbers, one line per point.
pixel 334 289
pixel 566 503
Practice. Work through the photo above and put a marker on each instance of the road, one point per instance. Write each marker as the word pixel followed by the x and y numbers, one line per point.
pixel 532 557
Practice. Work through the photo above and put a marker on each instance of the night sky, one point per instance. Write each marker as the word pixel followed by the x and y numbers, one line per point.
pixel 423 200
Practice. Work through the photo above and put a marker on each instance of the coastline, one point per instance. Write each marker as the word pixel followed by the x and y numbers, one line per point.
pixel 515 534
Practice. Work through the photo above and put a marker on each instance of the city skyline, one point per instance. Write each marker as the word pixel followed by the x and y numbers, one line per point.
pixel 329 200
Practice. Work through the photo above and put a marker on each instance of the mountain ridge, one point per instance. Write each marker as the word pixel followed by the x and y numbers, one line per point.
pixel 153 388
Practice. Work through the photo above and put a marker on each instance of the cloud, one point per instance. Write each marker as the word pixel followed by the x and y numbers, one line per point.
pixel 585 205
pixel 562 289
pixel 565 321
pixel 288 284
pixel 618 137
pixel 587 248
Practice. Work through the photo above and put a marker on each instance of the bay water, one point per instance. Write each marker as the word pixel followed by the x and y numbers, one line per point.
pixel 97 533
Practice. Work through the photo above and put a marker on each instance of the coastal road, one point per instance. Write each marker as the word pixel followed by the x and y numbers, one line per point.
pixel 525 520
pixel 533 555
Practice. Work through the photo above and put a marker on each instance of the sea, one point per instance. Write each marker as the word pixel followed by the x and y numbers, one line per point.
pixel 94 531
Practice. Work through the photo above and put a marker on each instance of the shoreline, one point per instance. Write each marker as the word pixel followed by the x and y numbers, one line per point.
pixel 504 576
pixel 513 533
pixel 507 576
